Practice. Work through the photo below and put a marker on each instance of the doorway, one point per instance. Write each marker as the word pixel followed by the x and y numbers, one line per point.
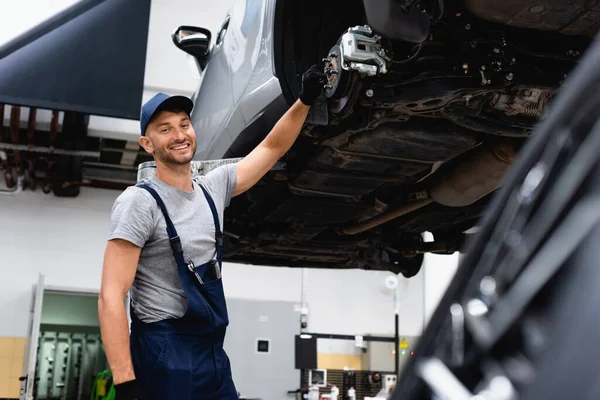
pixel 69 352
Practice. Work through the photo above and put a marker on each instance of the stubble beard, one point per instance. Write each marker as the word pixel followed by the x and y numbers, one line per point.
pixel 167 158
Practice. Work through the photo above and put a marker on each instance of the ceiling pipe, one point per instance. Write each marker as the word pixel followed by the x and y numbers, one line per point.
pixel 30 141
pixel 15 122
pixel 8 176
pixel 51 160
pixel 53 128
pixel 50 150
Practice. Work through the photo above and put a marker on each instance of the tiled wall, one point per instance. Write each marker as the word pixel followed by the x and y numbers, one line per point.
pixel 12 353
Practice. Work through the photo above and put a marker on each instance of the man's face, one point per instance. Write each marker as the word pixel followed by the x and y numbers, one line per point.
pixel 171 138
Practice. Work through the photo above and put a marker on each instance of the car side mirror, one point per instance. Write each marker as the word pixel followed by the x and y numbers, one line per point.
pixel 194 41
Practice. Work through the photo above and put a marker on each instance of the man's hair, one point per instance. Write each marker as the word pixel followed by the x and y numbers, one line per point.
pixel 172 109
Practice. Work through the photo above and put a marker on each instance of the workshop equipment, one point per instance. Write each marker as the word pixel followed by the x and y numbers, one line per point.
pixel 103 387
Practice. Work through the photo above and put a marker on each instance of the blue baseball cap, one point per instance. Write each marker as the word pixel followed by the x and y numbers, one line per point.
pixel 159 102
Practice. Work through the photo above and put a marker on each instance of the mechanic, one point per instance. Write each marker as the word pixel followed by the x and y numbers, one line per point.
pixel 164 245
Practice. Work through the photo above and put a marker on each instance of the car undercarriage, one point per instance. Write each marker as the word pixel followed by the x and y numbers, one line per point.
pixel 416 129
pixel 518 319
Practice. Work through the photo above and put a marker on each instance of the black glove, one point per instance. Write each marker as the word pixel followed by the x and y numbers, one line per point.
pixel 312 84
pixel 129 390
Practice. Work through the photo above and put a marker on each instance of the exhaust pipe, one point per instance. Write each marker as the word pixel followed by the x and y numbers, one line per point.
pixel 462 186
pixel 473 179
pixel 388 216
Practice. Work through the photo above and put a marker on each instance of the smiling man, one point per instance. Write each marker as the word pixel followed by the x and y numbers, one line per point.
pixel 165 245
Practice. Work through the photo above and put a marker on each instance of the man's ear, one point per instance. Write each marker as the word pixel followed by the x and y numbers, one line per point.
pixel 146 144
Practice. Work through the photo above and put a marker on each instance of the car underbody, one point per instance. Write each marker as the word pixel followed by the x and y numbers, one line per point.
pixel 416 135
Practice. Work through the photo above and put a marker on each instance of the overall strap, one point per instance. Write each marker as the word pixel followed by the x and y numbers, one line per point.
pixel 171 231
pixel 218 233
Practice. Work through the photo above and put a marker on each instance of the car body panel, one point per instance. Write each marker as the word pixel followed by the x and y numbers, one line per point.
pixel 238 83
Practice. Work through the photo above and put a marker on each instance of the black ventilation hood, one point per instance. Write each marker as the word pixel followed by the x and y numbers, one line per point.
pixel 90 58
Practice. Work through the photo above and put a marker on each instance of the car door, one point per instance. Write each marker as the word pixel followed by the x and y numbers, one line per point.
pixel 237 82
pixel 249 44
pixel 213 101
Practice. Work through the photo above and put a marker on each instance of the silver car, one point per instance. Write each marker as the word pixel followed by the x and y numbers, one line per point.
pixel 425 109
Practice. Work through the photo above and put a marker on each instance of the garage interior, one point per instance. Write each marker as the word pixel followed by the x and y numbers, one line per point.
pixel 73 76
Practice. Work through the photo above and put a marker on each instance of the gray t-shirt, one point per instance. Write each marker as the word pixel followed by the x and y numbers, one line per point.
pixel 157 293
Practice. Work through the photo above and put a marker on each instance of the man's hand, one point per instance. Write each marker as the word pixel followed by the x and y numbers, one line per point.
pixel 129 391
pixel 312 84
pixel 283 135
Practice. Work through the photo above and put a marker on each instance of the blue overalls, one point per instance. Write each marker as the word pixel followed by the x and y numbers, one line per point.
pixel 183 359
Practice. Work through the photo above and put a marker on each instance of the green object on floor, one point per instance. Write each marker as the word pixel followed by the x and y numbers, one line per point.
pixel 103 388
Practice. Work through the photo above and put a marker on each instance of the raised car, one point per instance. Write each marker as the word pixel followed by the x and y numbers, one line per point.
pixel 426 107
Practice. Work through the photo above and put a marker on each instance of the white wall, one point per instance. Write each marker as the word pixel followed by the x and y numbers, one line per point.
pixel 167 67
pixel 59 237
pixel 64 239
pixel 439 271
pixel 19 16
pixel 339 301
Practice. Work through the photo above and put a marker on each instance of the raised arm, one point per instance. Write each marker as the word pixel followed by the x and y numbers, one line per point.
pixel 283 135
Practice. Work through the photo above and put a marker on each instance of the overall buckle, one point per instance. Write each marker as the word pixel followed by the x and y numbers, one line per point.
pixel 176 244
pixel 216 267
pixel 192 267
